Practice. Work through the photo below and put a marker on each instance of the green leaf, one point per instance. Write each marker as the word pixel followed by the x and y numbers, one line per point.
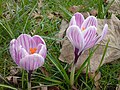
pixel 103 56
pixel 84 64
pixel 59 67
pixel 6 86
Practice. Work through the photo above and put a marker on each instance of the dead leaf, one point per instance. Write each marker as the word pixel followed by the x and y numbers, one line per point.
pixel 40 4
pixel 44 71
pixel 118 87
pixel 14 70
pixel 50 15
pixel 74 9
pixel 94 12
pixel 113 51
pixel 115 7
pixel 44 88
pixel 13 79
pixel 53 88
pixel 40 87
pixel 63 27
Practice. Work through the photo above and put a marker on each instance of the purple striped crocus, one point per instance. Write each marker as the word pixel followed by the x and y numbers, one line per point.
pixel 82 33
pixel 28 52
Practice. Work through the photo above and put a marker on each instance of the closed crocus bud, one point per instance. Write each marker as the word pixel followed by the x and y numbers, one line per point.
pixel 28 52
pixel 82 33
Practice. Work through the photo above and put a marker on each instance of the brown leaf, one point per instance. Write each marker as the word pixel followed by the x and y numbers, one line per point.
pixel 113 51
pixel 75 9
pixel 43 70
pixel 94 12
pixel 14 70
pixel 115 7
pixel 118 87
pixel 50 15
pixel 53 88
pixel 13 79
pixel 40 3
pixel 40 87
pixel 63 27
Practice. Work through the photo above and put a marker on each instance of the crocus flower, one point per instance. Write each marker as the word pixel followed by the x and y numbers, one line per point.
pixel 82 33
pixel 28 52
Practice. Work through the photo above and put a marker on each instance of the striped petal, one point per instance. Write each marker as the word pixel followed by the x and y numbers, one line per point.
pixel 32 62
pixel 72 21
pixel 89 21
pixel 38 39
pixel 42 50
pixel 26 42
pixel 104 32
pixel 13 49
pixel 75 36
pixel 89 36
pixel 16 51
pixel 79 19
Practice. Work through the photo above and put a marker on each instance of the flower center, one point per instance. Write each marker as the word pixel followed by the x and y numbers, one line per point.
pixel 83 28
pixel 33 50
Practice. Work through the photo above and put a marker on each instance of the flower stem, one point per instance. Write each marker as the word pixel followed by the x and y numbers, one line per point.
pixel 72 75
pixel 29 80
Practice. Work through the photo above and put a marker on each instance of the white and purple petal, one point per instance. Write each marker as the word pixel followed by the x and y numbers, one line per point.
pixel 89 36
pixel 89 21
pixel 16 51
pixel 79 19
pixel 42 50
pixel 32 62
pixel 38 40
pixel 75 36
pixel 26 41
pixel 72 21
pixel 104 32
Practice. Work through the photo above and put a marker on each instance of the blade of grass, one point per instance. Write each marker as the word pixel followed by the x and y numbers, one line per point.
pixel 7 28
pixel 29 17
pixel 87 86
pixel 51 80
pixel 83 65
pixel 59 67
pixel 6 86
pixel 23 76
pixel 103 56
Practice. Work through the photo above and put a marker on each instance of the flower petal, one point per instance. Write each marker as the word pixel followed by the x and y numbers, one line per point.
pixel 79 19
pixel 26 42
pixel 32 62
pixel 89 21
pixel 104 32
pixel 89 36
pixel 42 50
pixel 75 36
pixel 38 39
pixel 72 21
pixel 16 51
pixel 12 49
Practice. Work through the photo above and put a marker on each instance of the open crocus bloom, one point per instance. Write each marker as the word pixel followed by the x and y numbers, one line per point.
pixel 82 33
pixel 28 52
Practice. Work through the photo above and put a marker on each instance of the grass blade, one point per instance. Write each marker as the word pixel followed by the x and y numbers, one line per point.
pixel 59 67
pixel 6 86
pixel 83 65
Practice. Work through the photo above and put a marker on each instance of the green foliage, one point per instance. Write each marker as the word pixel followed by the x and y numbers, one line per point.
pixel 17 17
pixel 103 9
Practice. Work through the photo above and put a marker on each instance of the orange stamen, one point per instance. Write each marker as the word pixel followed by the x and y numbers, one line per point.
pixel 33 50
pixel 83 28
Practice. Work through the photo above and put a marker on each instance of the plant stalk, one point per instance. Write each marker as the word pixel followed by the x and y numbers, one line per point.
pixel 29 80
pixel 72 75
